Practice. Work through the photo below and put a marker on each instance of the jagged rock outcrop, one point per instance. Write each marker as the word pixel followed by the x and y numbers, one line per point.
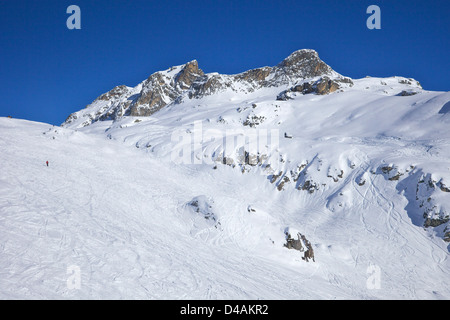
pixel 391 173
pixel 323 86
pixel 256 76
pixel 203 207
pixel 188 75
pixel 406 93
pixel 433 214
pixel 108 106
pixel 300 244
pixel 188 81
pixel 159 89
pixel 447 234
pixel 292 243
pixel 253 120
pixel 301 64
pixel 115 93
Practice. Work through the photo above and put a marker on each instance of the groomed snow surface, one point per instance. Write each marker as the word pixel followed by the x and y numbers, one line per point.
pixel 132 224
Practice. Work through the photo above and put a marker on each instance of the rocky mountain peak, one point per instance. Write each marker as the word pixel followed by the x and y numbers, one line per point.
pixel 115 93
pixel 188 81
pixel 303 64
pixel 192 67
pixel 188 74
pixel 300 55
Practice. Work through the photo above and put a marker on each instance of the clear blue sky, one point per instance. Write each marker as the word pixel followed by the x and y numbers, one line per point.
pixel 48 71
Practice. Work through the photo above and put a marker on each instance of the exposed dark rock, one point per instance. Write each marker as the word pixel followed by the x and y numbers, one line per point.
pixel 326 86
pixel 391 173
pixel 404 81
pixel 114 93
pixel 253 120
pixel 155 94
pixel 302 64
pixel 189 73
pixel 274 177
pixel 443 187
pixel 406 93
pixel 323 86
pixel 292 243
pixel 283 182
pixel 309 253
pixel 228 161
pixel 255 75
pixel 283 96
pixel 447 234
pixel 429 222
pixel 203 206
pixel 309 186
pixel 296 174
pixel 300 244
pixel 339 176
pixel 396 177
pixel 251 159
pixel 207 85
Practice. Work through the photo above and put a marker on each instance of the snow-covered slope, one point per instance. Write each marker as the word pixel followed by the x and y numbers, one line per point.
pixel 187 185
pixel 135 227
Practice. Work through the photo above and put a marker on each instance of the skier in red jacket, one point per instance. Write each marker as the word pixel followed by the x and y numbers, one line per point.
pixel 46 163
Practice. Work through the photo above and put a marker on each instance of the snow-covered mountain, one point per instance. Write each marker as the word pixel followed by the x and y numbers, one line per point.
pixel 194 185
pixel 181 83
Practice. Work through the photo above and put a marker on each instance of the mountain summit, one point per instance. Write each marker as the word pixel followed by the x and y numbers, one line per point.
pixel 188 81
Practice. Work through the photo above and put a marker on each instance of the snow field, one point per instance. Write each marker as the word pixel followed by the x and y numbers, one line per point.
pixel 121 215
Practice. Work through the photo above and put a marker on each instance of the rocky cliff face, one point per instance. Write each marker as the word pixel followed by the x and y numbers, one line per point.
pixel 323 86
pixel 302 64
pixel 188 81
pixel 110 105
